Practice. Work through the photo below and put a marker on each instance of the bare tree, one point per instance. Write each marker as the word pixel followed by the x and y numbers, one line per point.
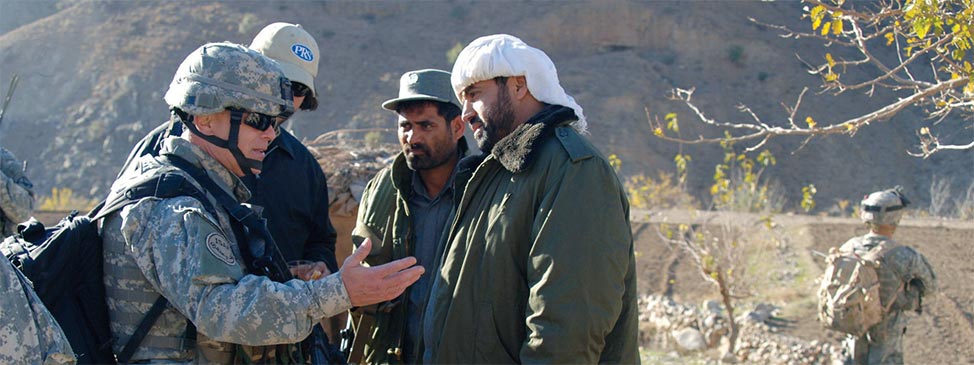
pixel 931 69
pixel 714 248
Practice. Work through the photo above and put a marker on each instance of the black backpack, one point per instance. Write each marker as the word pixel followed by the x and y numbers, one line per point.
pixel 64 263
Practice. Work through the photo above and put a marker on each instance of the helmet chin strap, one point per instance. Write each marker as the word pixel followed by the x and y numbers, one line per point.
pixel 247 165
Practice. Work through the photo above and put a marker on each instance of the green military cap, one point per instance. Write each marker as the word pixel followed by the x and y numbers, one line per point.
pixel 428 84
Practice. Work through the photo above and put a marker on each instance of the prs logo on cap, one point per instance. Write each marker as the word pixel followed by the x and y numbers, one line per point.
pixel 303 52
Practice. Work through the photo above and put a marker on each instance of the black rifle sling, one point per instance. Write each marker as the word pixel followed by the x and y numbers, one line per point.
pixel 257 245
pixel 143 329
pixel 165 186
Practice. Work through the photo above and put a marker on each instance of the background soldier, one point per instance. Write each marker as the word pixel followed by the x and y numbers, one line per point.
pixel 230 100
pixel 905 278
pixel 406 206
pixel 28 332
pixel 16 197
pixel 538 265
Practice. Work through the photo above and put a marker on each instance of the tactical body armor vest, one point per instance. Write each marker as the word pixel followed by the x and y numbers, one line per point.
pixel 129 294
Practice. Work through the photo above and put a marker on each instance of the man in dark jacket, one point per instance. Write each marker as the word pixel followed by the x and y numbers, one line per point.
pixel 538 266
pixel 404 209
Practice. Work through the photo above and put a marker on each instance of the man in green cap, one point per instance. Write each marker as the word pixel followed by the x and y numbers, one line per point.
pixel 404 209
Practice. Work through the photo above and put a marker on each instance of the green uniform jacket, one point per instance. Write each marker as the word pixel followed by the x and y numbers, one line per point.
pixel 539 264
pixel 384 217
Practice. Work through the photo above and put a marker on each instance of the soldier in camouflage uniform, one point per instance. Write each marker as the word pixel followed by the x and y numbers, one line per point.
pixel 905 278
pixel 230 100
pixel 28 332
pixel 16 197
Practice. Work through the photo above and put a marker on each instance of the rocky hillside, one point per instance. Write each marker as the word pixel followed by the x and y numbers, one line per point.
pixel 93 74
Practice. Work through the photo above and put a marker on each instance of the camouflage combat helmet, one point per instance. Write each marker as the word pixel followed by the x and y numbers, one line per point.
pixel 883 207
pixel 218 76
pixel 228 76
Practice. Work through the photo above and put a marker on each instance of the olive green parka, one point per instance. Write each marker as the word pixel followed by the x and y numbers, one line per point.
pixel 538 266
pixel 385 218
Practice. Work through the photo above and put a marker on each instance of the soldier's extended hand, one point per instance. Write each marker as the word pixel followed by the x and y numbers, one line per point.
pixel 370 285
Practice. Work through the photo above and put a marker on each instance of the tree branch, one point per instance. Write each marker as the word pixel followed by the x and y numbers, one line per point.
pixel 762 130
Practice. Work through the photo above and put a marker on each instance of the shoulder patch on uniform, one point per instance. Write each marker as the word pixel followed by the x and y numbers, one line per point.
pixel 573 143
pixel 219 246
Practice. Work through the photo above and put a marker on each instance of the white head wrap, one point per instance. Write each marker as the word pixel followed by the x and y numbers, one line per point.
pixel 504 55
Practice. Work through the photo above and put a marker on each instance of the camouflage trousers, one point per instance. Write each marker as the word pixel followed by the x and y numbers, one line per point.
pixel 883 344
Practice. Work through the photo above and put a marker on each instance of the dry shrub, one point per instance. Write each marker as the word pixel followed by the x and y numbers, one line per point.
pixel 662 193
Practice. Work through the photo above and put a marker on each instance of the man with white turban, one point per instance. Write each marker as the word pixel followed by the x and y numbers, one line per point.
pixel 538 265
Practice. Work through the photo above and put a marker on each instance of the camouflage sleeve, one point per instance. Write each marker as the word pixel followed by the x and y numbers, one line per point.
pixel 28 332
pixel 914 272
pixel 16 197
pixel 188 259
pixel 924 272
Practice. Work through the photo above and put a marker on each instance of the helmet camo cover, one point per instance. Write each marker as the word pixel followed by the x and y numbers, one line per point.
pixel 224 75
pixel 883 207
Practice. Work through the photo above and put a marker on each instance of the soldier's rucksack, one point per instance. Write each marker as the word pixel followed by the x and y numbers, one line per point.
pixel 848 294
pixel 64 263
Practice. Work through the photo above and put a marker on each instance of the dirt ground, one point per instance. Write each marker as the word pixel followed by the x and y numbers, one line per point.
pixel 944 334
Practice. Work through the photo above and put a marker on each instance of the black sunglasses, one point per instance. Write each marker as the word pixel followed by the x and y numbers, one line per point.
pixel 259 121
pixel 299 89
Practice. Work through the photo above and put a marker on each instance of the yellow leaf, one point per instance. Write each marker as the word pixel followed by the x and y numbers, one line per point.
pixel 921 29
pixel 836 26
pixel 889 38
pixel 829 59
pixel 817 10
pixel 817 16
pixel 658 132
pixel 825 28
pixel 811 122
pixel 831 76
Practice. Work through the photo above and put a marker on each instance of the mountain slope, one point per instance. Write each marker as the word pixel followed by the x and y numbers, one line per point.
pixel 93 74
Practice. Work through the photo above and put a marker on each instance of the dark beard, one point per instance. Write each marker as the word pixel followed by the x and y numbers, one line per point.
pixel 427 160
pixel 415 162
pixel 498 123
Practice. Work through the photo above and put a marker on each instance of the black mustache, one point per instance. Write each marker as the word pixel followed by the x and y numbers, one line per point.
pixel 416 146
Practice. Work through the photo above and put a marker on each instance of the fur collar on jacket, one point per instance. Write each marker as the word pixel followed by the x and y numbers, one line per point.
pixel 514 151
